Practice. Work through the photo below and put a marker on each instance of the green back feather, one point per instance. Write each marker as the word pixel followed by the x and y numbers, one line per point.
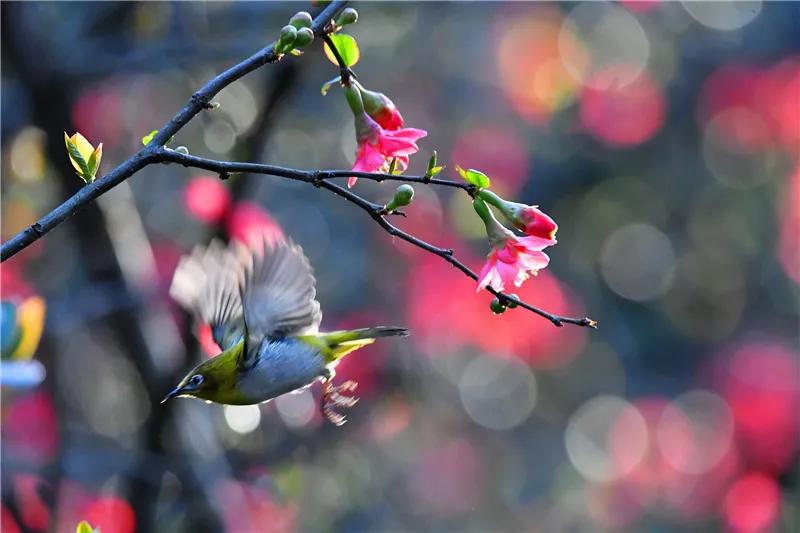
pixel 336 344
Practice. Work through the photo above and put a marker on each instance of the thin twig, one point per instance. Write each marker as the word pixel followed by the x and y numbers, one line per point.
pixel 155 152
pixel 196 104
pixel 321 178
pixel 231 167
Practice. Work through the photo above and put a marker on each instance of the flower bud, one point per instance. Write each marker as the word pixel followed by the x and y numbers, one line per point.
pixel 432 161
pixel 526 218
pixel 304 37
pixel 182 150
pixel 348 16
pixel 286 39
pixel 402 197
pixel 497 306
pixel 381 109
pixel 301 19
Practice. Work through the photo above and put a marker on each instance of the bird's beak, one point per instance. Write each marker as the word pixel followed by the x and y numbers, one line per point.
pixel 172 394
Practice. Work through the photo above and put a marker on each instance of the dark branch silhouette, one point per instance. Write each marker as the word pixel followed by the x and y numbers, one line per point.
pixel 155 152
pixel 199 101
pixel 322 179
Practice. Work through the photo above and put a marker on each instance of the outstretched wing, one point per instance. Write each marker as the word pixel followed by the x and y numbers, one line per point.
pixel 278 292
pixel 206 283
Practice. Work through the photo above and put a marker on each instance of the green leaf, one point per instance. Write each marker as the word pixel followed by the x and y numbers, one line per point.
pixel 432 172
pixel 475 177
pixel 93 164
pixel 149 137
pixel 76 156
pixel 84 527
pixel 347 47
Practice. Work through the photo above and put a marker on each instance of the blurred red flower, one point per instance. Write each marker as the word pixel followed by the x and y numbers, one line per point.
pixel 762 104
pixel 752 503
pixel 110 514
pixel 761 383
pixel 250 224
pixel 445 314
pixel 248 508
pixel 207 198
pixel 622 115
pixel 30 429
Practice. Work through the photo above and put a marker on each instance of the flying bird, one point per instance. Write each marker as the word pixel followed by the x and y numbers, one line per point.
pixel 261 307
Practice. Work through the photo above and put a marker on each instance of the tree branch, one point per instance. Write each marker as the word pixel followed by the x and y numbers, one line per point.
pixel 198 102
pixel 155 152
pixel 322 178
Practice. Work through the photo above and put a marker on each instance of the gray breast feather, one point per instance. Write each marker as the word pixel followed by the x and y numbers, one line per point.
pixel 282 366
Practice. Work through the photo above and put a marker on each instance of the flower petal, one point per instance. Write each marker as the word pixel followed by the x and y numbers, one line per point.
pixel 534 243
pixel 368 158
pixel 410 134
pixel 397 147
pixel 534 261
pixel 485 275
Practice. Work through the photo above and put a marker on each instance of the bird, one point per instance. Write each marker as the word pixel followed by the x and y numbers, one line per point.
pixel 260 303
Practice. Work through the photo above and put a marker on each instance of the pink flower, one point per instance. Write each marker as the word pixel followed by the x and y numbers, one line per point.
pixel 378 146
pixel 513 260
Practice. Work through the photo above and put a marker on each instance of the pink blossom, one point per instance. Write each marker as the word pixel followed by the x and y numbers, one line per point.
pixel 378 146
pixel 513 260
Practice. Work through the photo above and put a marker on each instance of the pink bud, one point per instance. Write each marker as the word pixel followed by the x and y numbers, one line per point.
pixel 534 222
pixel 381 109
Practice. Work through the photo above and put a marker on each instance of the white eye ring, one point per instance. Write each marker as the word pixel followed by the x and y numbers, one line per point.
pixel 196 380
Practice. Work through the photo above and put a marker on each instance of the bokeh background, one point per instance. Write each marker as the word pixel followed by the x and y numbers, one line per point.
pixel 662 137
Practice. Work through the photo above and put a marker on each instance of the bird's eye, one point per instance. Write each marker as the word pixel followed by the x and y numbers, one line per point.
pixel 196 380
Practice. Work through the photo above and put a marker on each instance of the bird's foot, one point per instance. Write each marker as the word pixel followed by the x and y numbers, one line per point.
pixel 334 396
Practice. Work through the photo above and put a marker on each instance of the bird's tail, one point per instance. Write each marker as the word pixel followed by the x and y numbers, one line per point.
pixel 337 344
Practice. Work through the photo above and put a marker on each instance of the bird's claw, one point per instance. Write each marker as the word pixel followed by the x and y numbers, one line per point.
pixel 338 396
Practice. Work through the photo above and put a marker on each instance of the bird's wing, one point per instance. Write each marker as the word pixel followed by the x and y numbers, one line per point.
pixel 206 283
pixel 277 291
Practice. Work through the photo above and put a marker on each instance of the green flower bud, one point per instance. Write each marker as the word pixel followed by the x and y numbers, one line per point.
pixel 432 161
pixel 497 306
pixel 354 100
pixel 286 40
pixel 304 37
pixel 301 19
pixel 402 197
pixel 348 16
pixel 404 194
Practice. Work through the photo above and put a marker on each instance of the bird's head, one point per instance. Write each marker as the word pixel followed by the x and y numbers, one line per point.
pixel 213 380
